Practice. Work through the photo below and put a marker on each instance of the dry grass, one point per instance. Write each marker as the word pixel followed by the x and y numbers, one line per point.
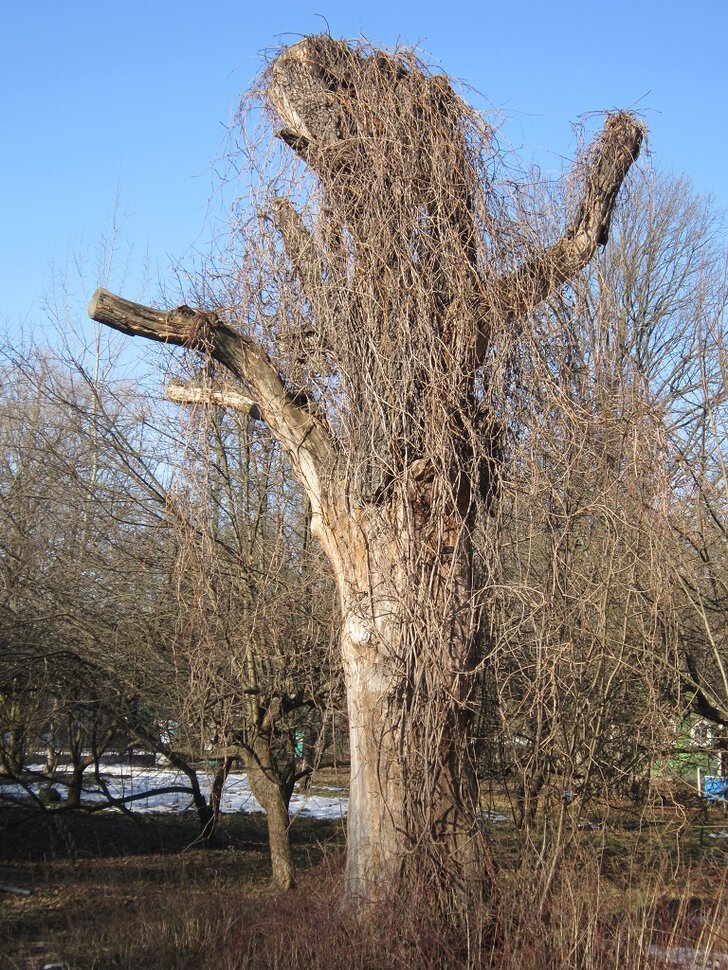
pixel 114 893
pixel 110 891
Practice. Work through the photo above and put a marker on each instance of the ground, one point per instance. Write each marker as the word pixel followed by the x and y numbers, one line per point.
pixel 109 891
pixel 639 888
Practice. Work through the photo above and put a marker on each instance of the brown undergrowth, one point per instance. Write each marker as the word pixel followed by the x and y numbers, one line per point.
pixel 110 892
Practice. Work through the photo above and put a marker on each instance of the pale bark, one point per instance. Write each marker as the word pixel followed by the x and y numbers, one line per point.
pixel 413 800
pixel 221 395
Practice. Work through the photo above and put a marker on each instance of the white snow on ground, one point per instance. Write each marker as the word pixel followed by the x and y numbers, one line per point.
pixel 124 780
pixel 688 957
pixel 488 815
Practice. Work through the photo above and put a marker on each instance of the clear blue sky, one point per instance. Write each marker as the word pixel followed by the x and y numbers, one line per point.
pixel 110 104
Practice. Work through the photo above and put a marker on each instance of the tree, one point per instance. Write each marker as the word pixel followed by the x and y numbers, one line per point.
pixel 255 624
pixel 137 597
pixel 49 696
pixel 392 305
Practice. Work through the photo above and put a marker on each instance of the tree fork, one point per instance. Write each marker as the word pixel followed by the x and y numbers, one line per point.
pixel 302 434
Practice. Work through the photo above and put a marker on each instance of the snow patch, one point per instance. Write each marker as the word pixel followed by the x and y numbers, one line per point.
pixel 125 780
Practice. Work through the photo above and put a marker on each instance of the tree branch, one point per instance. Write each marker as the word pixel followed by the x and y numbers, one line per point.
pixel 704 702
pixel 303 437
pixel 608 162
pixel 313 269
pixel 303 254
pixel 222 395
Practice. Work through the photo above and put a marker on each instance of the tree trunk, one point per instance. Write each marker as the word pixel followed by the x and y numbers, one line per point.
pixel 412 811
pixel 51 762
pixel 274 795
pixel 79 762
pixel 208 810
pixel 218 783
pixel 75 785
pixel 205 810
pixel 408 637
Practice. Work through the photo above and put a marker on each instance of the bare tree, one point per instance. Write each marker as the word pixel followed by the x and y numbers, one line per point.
pixel 391 304
pixel 608 618
pixel 663 286
pixel 135 596
pixel 254 623
pixel 49 695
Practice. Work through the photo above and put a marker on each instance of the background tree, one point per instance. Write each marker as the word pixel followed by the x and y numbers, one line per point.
pixel 178 610
pixel 255 610
pixel 603 598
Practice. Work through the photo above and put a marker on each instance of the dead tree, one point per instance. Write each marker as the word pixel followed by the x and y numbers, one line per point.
pixel 395 293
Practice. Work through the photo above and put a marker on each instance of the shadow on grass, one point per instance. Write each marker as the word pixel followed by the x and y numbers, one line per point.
pixel 112 891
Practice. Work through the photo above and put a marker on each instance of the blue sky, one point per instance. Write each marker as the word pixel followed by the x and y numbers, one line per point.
pixel 119 108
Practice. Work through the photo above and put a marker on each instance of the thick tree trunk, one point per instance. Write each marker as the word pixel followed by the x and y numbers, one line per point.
pixel 408 650
pixel 412 811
